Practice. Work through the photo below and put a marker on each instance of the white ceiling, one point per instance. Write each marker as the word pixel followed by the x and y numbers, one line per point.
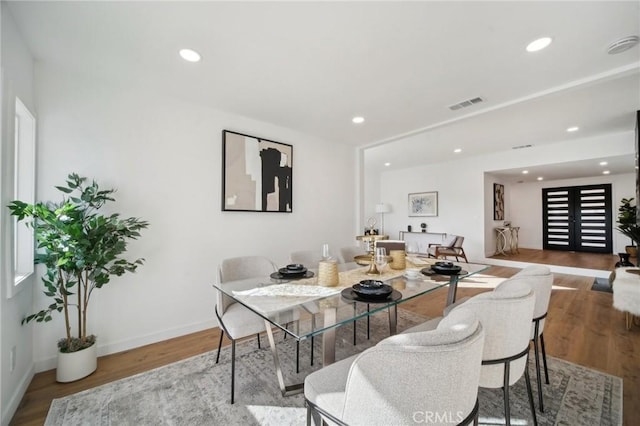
pixel 312 66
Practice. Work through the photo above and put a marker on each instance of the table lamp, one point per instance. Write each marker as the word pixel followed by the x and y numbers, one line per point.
pixel 382 208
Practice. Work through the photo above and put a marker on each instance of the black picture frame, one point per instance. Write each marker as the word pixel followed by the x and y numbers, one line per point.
pixel 257 174
pixel 498 201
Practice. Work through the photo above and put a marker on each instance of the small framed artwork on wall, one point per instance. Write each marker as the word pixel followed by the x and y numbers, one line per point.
pixel 423 204
pixel 498 201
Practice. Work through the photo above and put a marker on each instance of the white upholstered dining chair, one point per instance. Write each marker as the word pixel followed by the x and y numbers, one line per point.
pixel 308 258
pixel 235 320
pixel 506 314
pixel 347 254
pixel 404 378
pixel 541 280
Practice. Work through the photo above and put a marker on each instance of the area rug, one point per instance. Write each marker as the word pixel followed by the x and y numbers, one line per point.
pixel 602 284
pixel 196 391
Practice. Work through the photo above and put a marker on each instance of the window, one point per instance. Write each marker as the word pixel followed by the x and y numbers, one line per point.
pixel 24 190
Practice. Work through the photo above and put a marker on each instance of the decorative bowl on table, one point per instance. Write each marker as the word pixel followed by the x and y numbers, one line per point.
pixel 372 289
pixel 293 270
pixel 445 268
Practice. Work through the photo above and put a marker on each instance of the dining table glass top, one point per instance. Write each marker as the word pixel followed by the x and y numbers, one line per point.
pixel 321 308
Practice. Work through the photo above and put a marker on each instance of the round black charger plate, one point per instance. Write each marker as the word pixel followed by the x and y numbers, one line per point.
pixel 352 296
pixel 279 276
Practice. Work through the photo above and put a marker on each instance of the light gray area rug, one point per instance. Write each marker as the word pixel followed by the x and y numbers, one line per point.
pixel 196 391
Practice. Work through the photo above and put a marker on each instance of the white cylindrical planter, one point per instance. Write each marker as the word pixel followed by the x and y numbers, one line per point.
pixel 77 365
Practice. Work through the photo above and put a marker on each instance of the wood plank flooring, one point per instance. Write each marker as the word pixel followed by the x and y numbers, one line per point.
pixel 582 327
pixel 604 262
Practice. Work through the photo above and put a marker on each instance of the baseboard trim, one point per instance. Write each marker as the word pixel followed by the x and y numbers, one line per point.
pixel 132 343
pixel 16 398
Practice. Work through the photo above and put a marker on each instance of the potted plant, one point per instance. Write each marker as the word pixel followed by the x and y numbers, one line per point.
pixel 628 225
pixel 81 250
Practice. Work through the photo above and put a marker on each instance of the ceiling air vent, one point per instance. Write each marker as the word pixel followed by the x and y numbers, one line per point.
pixel 467 103
pixel 522 146
pixel 623 44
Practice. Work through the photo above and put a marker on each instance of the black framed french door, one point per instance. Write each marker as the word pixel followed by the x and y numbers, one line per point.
pixel 578 218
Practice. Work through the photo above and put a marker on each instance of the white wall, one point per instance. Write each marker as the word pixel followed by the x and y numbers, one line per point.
pixel 465 187
pixel 17 80
pixel 525 203
pixel 164 156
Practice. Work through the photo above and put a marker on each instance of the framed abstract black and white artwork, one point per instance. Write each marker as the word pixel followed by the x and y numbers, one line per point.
pixel 498 201
pixel 257 174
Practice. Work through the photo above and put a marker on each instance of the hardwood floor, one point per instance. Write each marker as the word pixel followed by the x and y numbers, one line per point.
pixel 582 327
pixel 604 262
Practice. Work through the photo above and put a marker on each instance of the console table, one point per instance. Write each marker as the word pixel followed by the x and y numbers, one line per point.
pixel 420 241
pixel 507 239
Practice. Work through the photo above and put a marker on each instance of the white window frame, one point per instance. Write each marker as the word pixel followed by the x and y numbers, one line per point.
pixel 24 174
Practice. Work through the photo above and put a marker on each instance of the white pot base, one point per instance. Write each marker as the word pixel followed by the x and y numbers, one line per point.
pixel 77 365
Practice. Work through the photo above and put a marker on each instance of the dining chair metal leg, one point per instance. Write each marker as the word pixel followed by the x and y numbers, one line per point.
pixel 233 368
pixel 258 336
pixel 537 355
pixel 544 359
pixel 530 392
pixel 219 345
pixel 297 356
pixel 505 392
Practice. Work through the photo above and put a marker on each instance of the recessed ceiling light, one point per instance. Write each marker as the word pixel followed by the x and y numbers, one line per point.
pixel 603 163
pixel 358 120
pixel 573 129
pixel 538 44
pixel 606 172
pixel 457 150
pixel 387 164
pixel 524 172
pixel 190 55
pixel 540 178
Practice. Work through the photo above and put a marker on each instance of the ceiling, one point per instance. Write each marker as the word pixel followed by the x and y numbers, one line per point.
pixel 312 66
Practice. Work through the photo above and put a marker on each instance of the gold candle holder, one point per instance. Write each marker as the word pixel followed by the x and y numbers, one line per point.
pixel 373 270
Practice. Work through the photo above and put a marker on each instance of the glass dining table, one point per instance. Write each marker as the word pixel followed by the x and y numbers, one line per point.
pixel 321 310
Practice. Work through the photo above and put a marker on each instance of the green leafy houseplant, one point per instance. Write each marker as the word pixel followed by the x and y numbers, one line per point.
pixel 628 222
pixel 80 248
